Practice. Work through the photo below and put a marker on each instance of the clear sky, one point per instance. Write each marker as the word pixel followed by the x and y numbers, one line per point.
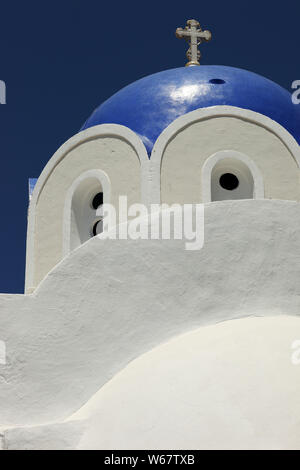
pixel 60 60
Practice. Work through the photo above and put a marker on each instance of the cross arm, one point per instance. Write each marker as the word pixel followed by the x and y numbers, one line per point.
pixel 180 33
pixel 205 35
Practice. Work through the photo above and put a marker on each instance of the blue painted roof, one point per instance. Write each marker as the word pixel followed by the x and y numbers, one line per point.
pixel 149 105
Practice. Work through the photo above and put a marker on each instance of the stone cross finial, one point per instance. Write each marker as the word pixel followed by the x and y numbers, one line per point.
pixel 194 35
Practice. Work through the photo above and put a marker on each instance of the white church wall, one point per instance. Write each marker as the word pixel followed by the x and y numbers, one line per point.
pixel 112 149
pixel 176 172
pixel 57 436
pixel 225 386
pixel 92 314
pixel 182 150
pixel 201 398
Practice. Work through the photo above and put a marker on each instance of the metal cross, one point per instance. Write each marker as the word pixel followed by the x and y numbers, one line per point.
pixel 194 35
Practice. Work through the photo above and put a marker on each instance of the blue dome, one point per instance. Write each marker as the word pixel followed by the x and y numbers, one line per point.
pixel 149 105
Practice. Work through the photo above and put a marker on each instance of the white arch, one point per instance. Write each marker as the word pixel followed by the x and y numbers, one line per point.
pixel 208 113
pixel 105 184
pixel 212 161
pixel 103 130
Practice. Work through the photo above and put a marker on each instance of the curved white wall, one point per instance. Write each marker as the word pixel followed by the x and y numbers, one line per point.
pixel 186 154
pixel 111 149
pixel 176 172
pixel 110 301
pixel 183 149
pixel 217 387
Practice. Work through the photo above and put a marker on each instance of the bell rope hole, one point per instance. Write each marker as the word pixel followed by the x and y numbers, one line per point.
pixel 97 201
pixel 98 227
pixel 86 200
pixel 229 181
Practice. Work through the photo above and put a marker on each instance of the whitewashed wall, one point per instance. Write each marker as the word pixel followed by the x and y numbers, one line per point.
pixel 176 172
pixel 110 301
pixel 185 155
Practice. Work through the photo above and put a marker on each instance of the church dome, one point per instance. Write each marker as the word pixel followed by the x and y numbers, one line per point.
pixel 149 105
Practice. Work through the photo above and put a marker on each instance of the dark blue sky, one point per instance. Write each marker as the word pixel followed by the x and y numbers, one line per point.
pixel 61 59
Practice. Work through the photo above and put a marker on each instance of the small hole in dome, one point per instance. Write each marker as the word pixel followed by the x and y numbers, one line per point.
pixel 97 201
pixel 229 181
pixel 217 81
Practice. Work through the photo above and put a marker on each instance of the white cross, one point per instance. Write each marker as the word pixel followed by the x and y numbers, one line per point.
pixel 194 35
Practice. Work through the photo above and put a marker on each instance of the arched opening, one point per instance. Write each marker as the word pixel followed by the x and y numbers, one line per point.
pixel 85 220
pixel 231 179
pixel 83 211
pixel 230 175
